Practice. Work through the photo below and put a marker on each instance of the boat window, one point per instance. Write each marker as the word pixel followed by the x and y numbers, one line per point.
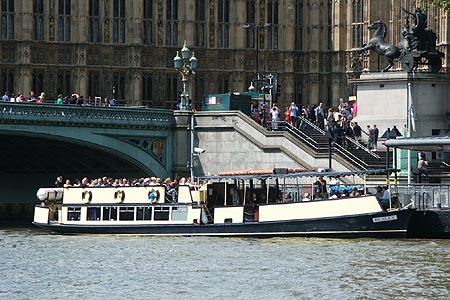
pixel 179 213
pixel 93 214
pixel 126 213
pixel 109 213
pixel 144 213
pixel 73 213
pixel 161 213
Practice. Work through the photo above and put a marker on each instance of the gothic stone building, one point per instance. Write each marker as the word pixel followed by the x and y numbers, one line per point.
pixel 125 48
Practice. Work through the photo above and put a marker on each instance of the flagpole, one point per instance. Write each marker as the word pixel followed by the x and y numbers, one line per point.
pixel 409 130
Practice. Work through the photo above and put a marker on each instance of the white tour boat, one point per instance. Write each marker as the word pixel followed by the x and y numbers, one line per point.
pixel 255 205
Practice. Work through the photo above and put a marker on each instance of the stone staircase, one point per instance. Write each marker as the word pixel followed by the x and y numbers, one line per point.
pixel 357 154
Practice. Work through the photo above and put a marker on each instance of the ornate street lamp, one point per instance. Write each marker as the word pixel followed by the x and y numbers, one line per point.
pixel 186 65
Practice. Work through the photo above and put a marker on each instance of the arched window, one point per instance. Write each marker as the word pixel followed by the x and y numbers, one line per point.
pixel 94 21
pixel 64 20
pixel 299 25
pixel 172 23
pixel 272 19
pixel 119 21
pixel 357 23
pixel 147 23
pixel 223 30
pixel 200 23
pixel 147 89
pixel 251 19
pixel 38 19
pixel 7 19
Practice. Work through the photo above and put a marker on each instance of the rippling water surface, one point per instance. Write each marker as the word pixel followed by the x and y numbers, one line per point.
pixel 38 265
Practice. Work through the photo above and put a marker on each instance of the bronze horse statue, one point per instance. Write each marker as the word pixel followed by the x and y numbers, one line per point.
pixel 379 45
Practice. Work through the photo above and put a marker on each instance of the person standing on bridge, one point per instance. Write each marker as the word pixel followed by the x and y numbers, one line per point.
pixel 6 97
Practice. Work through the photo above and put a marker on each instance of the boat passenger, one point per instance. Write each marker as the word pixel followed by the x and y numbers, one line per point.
pixel 59 182
pixel 306 197
pixel 320 188
pixel 386 197
pixel 67 184
pixel 355 192
pixel 288 198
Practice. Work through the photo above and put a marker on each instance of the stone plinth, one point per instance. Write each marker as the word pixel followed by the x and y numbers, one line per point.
pixel 383 100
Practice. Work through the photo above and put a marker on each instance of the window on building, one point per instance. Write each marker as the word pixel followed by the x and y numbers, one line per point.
pixel 64 83
pixel 147 22
pixel 7 19
pixel 357 23
pixel 7 81
pixel 119 21
pixel 37 84
pixel 119 86
pixel 251 19
pixel 330 25
pixel 224 86
pixel 200 23
pixel 93 85
pixel 272 19
pixel 199 91
pixel 223 30
pixel 64 20
pixel 94 21
pixel 172 23
pixel 147 89
pixel 172 91
pixel 38 19
pixel 299 25
pixel 298 92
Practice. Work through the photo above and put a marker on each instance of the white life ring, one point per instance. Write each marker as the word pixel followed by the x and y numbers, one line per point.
pixel 153 196
pixel 86 196
pixel 119 196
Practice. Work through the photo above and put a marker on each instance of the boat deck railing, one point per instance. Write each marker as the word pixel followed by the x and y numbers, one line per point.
pixel 425 196
pixel 415 196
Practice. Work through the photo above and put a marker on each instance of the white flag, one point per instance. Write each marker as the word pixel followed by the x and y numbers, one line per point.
pixel 412 116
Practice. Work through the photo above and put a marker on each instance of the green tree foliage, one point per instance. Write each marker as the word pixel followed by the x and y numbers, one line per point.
pixel 445 4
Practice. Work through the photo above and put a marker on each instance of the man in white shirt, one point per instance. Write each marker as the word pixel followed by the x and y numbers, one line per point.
pixel 275 114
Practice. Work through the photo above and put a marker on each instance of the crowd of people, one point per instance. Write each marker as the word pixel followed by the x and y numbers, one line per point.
pixel 337 121
pixel 322 190
pixel 74 99
pixel 171 186
pixel 7 97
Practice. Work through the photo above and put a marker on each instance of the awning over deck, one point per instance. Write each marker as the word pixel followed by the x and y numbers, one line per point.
pixel 428 144
pixel 297 175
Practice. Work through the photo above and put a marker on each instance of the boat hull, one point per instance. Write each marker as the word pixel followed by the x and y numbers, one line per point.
pixel 382 224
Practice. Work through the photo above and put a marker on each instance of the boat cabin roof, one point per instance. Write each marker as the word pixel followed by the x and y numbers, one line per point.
pixel 296 175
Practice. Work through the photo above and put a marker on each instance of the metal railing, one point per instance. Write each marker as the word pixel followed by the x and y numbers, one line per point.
pixel 424 196
pixel 85 115
pixel 299 133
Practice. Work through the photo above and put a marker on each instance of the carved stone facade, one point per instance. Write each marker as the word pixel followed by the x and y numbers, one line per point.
pixel 310 45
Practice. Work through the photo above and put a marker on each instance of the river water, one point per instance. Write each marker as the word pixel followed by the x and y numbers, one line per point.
pixel 38 265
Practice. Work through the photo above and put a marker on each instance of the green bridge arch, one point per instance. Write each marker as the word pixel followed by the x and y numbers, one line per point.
pixel 133 140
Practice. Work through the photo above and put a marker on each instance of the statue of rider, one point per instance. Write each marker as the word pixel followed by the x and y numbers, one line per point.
pixel 420 21
pixel 417 37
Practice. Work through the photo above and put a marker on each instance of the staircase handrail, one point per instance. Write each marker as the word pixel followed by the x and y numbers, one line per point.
pixel 353 141
pixel 301 135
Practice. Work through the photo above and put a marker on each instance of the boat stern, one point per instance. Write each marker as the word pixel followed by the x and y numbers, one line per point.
pixel 41 215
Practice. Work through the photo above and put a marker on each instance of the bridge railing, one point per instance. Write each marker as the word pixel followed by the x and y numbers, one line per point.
pixel 74 115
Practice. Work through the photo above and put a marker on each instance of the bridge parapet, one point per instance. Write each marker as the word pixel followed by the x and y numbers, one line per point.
pixel 71 115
